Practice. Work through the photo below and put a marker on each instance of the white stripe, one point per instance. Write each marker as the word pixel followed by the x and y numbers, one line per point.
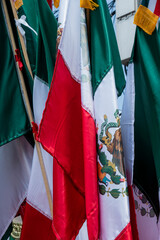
pixel 40 94
pixel 83 233
pixel 114 213
pixel 15 167
pixel 152 5
pixel 70 42
pixel 127 124
pixel 63 6
pixel 37 196
pixel 86 87
pixel 147 226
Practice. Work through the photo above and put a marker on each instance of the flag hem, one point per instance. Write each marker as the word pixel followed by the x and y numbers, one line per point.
pixel 20 134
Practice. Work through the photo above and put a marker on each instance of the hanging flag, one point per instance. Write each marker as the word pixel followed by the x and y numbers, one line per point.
pixel 149 75
pixel 107 81
pixel 140 130
pixel 37 222
pixel 146 76
pixel 15 151
pixel 14 121
pixel 63 133
pixel 89 132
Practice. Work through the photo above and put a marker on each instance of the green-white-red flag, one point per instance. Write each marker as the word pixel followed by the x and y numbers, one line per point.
pixel 141 128
pixel 15 151
pixel 108 82
pixel 68 132
pixel 37 222
pixel 145 128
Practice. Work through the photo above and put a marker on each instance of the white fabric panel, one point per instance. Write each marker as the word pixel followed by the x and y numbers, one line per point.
pixel 152 5
pixel 127 124
pixel 148 228
pixel 86 87
pixel 40 94
pixel 70 42
pixel 15 167
pixel 63 6
pixel 83 233
pixel 114 213
pixel 37 196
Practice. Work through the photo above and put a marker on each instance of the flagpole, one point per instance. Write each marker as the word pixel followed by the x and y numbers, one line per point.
pixel 21 40
pixel 28 107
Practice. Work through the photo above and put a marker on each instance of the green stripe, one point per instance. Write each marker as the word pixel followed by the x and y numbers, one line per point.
pixel 147 114
pixel 31 12
pixel 31 39
pixel 145 3
pixel 47 34
pixel 104 49
pixel 13 118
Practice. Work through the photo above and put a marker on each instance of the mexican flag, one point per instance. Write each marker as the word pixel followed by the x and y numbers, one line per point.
pixel 68 132
pixel 146 75
pixel 108 82
pixel 15 151
pixel 140 125
pixel 37 219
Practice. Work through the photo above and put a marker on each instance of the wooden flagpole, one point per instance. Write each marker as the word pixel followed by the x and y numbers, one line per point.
pixel 28 107
pixel 21 40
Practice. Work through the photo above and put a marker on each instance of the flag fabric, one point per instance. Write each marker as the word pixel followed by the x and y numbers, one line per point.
pixel 37 211
pixel 127 124
pixel 108 81
pixel 15 150
pixel 127 129
pixel 29 36
pixel 146 75
pixel 37 222
pixel 14 121
pixel 140 130
pixel 50 3
pixel 154 6
pixel 31 13
pixel 148 227
pixel 67 131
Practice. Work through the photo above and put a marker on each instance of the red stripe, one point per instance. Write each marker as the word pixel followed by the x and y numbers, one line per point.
pixel 36 226
pixel 61 134
pixel 126 234
pixel 68 205
pixel 50 3
pixel 61 127
pixel 133 214
pixel 157 8
pixel 91 181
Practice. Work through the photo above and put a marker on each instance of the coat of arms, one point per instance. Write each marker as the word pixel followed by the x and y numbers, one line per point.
pixel 111 171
